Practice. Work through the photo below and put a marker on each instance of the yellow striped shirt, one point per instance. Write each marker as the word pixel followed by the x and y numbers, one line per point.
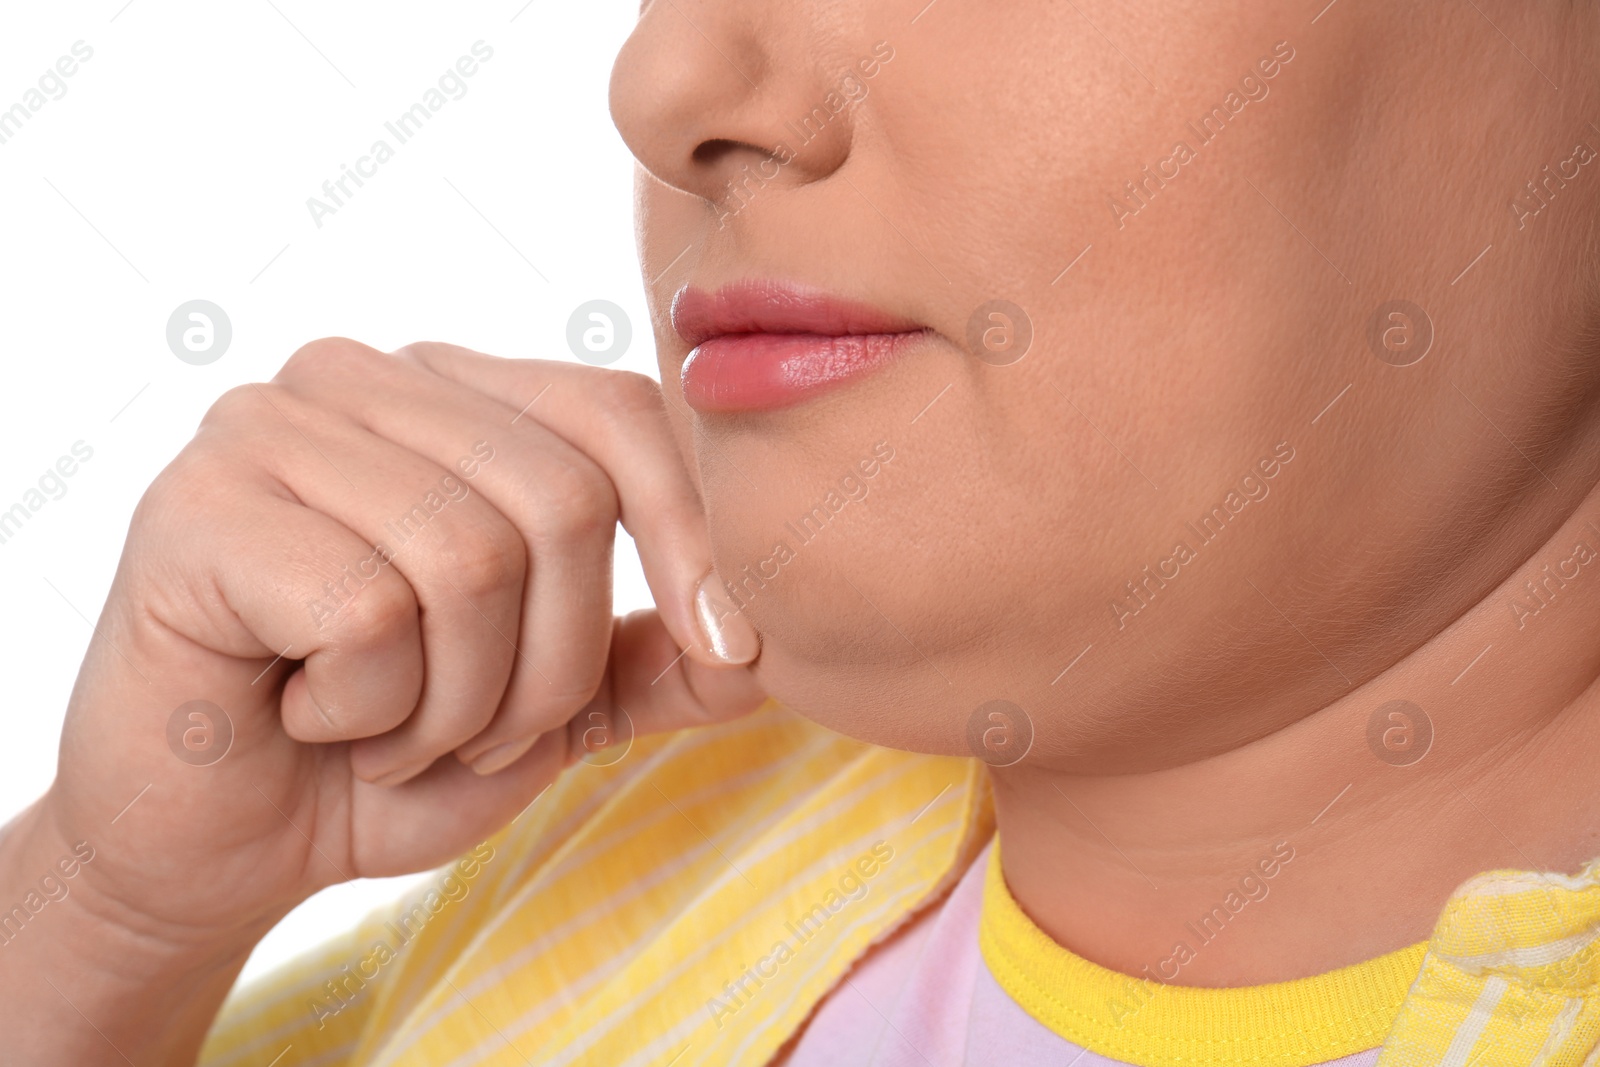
pixel 692 903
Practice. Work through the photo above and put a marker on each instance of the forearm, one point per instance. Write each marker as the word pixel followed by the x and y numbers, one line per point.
pixel 84 982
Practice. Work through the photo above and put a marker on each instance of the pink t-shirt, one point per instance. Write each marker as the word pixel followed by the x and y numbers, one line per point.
pixel 925 998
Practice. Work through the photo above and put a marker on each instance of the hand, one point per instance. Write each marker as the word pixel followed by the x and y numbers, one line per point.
pixel 392 574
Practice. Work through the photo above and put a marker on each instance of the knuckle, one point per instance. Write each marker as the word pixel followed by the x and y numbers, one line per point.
pixel 327 357
pixel 172 492
pixel 564 697
pixel 578 502
pixel 421 352
pixel 630 395
pixel 449 727
pixel 562 689
pixel 450 732
pixel 241 405
pixel 487 560
pixel 381 612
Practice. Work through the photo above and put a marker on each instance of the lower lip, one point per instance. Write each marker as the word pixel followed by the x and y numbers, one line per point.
pixel 766 371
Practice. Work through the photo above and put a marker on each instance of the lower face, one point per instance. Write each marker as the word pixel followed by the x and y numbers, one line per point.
pixel 1194 215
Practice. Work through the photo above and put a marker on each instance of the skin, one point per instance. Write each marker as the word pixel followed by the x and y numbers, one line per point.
pixel 1197 335
pixel 1173 747
pixel 490 625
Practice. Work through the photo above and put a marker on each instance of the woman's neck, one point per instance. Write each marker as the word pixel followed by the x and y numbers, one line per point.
pixel 1474 752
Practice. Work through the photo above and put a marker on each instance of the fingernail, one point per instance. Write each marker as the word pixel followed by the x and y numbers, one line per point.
pixel 728 633
pixel 493 759
pixel 404 774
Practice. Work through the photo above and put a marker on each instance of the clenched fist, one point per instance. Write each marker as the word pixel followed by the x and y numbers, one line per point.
pixel 389 577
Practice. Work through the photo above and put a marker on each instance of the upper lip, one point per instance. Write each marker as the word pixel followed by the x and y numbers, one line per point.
pixel 764 306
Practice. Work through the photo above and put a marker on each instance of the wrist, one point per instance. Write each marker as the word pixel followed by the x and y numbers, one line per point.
pixel 98 980
pixel 77 882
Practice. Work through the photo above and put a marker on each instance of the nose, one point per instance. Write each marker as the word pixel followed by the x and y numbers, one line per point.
pixel 705 92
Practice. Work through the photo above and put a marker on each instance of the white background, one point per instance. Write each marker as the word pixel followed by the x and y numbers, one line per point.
pixel 177 166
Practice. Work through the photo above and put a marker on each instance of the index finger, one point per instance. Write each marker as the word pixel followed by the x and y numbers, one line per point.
pixel 620 421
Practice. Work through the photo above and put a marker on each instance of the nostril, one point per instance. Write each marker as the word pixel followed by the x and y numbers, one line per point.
pixel 698 123
pixel 709 153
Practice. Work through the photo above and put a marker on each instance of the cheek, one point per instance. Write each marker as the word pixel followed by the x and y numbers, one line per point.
pixel 891 617
pixel 1007 174
pixel 987 553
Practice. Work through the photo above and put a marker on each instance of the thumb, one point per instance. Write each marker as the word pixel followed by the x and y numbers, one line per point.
pixel 651 686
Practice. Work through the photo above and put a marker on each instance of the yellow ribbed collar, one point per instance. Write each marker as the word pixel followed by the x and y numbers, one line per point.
pixel 1284 1024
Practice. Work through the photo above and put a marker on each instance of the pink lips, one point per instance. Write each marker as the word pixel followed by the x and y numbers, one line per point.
pixel 761 345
